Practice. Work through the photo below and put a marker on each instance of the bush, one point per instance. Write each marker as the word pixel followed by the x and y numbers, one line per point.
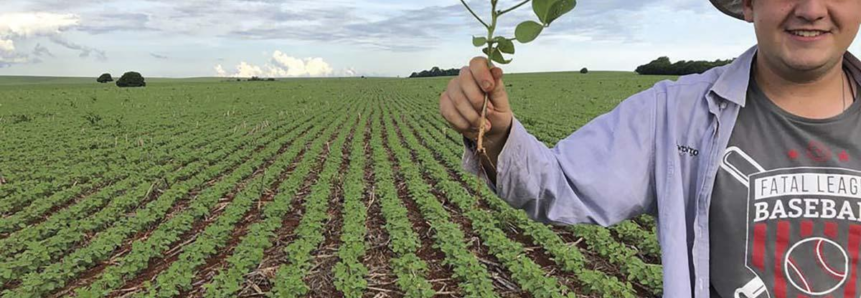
pixel 131 79
pixel 584 70
pixel 104 78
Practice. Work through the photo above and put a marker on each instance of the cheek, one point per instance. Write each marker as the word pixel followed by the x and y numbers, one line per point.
pixel 849 22
pixel 776 15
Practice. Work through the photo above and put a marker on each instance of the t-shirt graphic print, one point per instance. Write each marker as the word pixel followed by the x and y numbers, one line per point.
pixel 785 216
pixel 803 231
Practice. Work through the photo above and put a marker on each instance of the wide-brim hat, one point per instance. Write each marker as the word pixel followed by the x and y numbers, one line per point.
pixel 732 8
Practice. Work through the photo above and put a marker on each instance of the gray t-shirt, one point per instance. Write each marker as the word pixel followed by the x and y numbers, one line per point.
pixel 785 215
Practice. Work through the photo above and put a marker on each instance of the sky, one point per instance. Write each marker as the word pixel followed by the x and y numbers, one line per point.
pixel 338 38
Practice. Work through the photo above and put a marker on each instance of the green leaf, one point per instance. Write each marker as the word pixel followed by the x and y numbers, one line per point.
pixel 541 7
pixel 527 31
pixel 479 41
pixel 496 56
pixel 505 45
pixel 560 8
pixel 550 10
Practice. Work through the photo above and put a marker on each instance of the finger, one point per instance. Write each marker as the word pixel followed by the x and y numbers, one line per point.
pixel 461 103
pixel 497 73
pixel 481 73
pixel 499 97
pixel 449 112
pixel 470 88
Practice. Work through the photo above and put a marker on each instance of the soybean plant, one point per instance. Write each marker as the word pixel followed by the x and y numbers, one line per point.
pixel 494 47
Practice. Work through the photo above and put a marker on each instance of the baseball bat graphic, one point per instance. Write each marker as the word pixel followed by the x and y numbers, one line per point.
pixel 736 172
pixel 755 287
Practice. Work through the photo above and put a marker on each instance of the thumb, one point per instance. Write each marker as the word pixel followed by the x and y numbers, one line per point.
pixel 498 96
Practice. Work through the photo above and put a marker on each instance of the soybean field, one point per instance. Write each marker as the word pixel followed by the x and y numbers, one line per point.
pixel 341 187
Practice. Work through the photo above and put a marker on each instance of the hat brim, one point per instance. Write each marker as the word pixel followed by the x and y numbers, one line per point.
pixel 731 8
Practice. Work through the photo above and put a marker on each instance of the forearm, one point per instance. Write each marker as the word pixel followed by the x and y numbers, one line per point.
pixel 601 174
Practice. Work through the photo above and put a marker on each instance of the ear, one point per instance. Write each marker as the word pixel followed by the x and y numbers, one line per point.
pixel 747 6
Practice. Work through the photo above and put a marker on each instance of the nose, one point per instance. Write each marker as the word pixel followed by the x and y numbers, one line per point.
pixel 811 10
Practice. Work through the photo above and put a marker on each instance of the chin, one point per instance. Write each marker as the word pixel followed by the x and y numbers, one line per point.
pixel 807 61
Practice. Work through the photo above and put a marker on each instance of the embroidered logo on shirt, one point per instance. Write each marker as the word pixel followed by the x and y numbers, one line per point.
pixel 688 150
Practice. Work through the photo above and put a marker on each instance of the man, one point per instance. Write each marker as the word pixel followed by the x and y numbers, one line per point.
pixel 751 169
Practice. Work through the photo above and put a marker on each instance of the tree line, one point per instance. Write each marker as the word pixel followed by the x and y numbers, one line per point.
pixel 435 72
pixel 663 66
pixel 660 66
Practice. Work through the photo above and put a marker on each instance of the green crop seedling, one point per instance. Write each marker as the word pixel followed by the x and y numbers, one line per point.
pixel 494 47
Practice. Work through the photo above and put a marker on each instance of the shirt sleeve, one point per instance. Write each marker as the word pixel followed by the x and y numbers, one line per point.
pixel 601 174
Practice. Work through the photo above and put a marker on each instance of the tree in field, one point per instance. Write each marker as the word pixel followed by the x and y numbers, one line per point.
pixel 584 71
pixel 131 79
pixel 104 78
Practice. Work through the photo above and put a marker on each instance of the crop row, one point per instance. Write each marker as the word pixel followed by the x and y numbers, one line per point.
pixel 39 207
pixel 104 243
pixel 567 257
pixel 39 252
pixel 350 273
pixel 250 251
pixel 170 232
pixel 409 269
pixel 288 280
pixel 474 278
pixel 67 178
pixel 189 163
pixel 179 275
pixel 600 241
pixel 524 271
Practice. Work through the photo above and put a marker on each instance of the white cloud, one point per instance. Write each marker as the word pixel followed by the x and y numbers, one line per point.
pixel 25 25
pixel 247 70
pixel 7 59
pixel 288 66
pixel 19 26
pixel 7 46
pixel 85 51
pixel 282 65
pixel 349 72
pixel 22 25
pixel 15 26
pixel 219 71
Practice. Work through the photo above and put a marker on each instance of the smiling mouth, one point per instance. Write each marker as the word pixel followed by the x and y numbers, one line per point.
pixel 807 33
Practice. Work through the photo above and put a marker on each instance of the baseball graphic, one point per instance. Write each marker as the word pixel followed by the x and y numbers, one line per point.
pixel 803 228
pixel 816 266
pixel 817 152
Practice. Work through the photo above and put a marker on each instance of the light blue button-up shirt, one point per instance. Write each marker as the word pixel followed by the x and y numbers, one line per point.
pixel 636 159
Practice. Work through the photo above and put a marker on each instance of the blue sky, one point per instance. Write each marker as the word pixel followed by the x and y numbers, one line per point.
pixel 192 38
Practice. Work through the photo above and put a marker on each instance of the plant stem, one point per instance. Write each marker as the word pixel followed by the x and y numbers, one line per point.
pixel 473 13
pixel 512 8
pixel 482 127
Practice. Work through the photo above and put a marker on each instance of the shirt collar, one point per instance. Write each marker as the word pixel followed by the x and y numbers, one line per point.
pixel 732 84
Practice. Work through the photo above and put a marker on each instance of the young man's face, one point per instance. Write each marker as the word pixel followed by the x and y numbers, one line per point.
pixel 804 35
